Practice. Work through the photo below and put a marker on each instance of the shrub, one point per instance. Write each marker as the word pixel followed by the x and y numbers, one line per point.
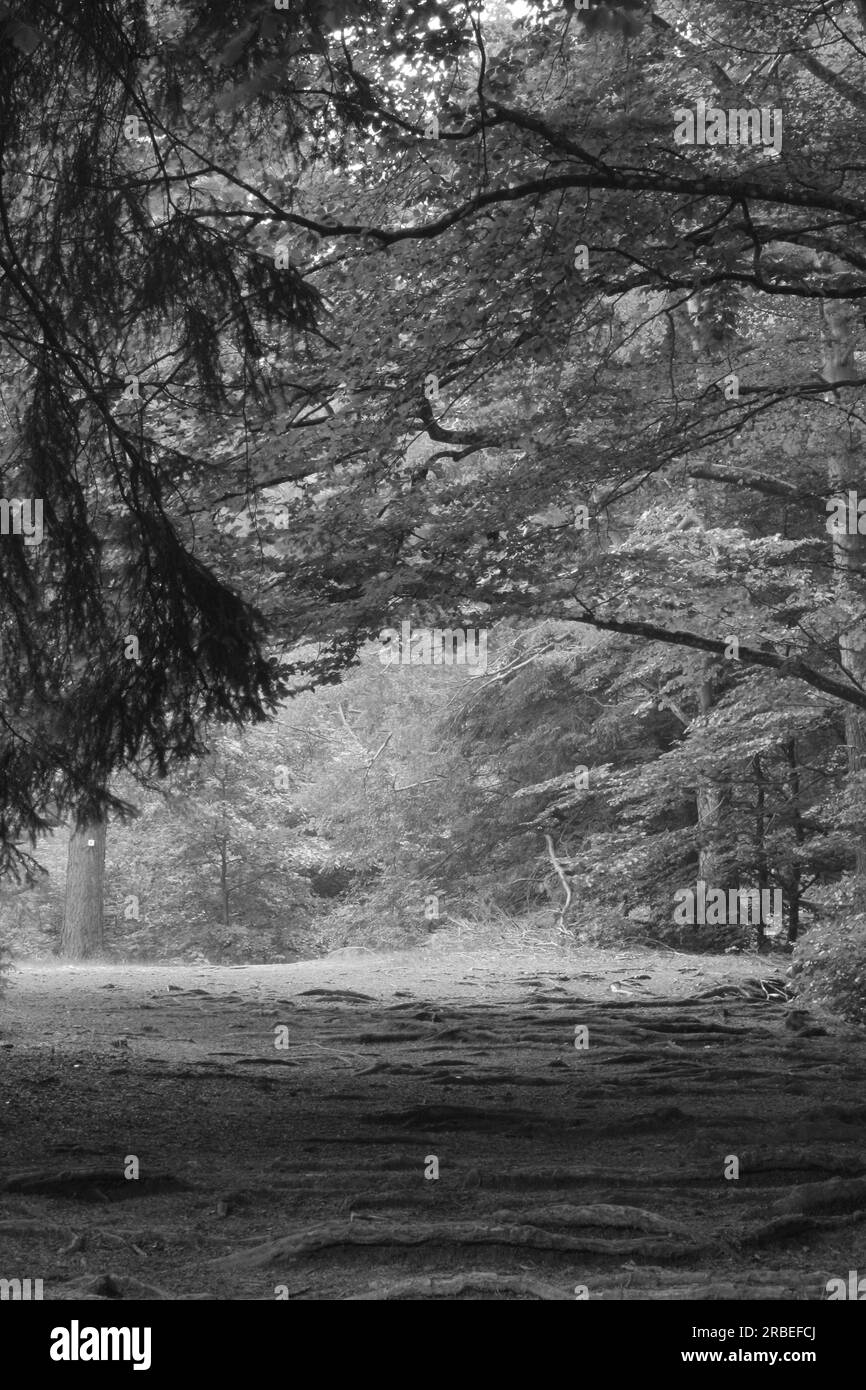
pixel 829 968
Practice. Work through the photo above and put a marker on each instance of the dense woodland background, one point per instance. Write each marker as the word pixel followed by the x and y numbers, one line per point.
pixel 320 317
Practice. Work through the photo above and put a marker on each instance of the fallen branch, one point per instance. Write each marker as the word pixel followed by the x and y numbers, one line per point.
pixel 565 883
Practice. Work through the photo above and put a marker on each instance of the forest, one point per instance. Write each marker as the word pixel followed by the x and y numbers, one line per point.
pixel 433 535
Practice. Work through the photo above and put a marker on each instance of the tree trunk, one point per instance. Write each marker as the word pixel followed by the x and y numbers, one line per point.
pixel 760 841
pixel 224 882
pixel 711 798
pixel 794 873
pixel 712 801
pixel 81 935
pixel 845 473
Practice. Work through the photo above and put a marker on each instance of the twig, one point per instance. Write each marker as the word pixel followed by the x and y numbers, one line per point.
pixel 565 883
pixel 350 730
pixel 382 746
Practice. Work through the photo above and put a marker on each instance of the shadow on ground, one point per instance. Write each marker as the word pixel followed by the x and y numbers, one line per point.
pixel 288 1122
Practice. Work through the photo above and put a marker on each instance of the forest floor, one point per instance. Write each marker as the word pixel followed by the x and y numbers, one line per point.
pixel 305 1171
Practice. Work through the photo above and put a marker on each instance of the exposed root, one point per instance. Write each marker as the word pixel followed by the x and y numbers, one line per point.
pixel 477 1280
pixel 448 1234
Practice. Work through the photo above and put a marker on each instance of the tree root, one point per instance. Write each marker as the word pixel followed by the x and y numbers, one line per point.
pixel 479 1280
pixel 456 1234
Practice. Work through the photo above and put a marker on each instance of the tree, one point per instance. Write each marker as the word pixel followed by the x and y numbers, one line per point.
pixel 504 343
pixel 512 335
pixel 117 640
pixel 81 935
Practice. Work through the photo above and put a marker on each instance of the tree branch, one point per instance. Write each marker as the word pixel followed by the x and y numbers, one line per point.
pixel 440 434
pixel 758 482
pixel 835 80
pixel 786 666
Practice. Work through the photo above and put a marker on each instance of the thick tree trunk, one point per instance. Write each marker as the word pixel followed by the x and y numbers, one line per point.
pixel 81 935
pixel 846 474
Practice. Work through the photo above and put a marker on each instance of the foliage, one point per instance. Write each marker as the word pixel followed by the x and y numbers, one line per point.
pixel 829 970
pixel 216 861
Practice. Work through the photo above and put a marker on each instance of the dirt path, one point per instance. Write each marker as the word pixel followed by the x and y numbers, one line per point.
pixel 299 1170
